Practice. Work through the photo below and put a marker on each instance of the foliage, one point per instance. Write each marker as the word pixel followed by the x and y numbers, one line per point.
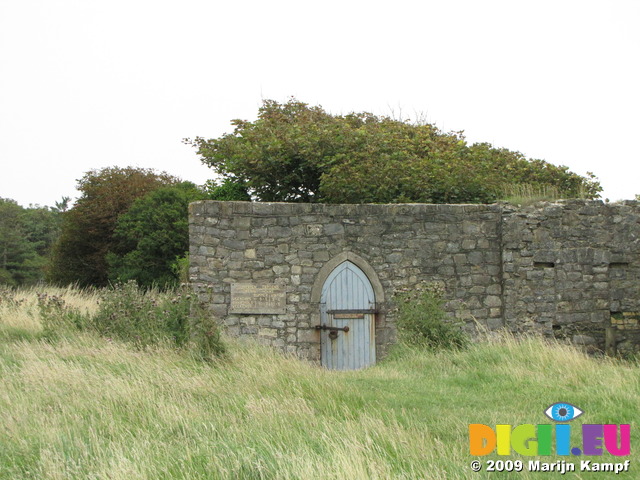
pixel 123 313
pixel 42 227
pixel 147 317
pixel 79 256
pixel 180 269
pixel 513 169
pixel 205 335
pixel 59 317
pixel 152 235
pixel 26 236
pixel 422 322
pixel 142 317
pixel 227 191
pixel 15 252
pixel 294 152
pixel 524 194
pixel 280 156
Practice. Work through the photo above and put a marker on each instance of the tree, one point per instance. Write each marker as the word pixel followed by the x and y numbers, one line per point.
pixel 280 156
pixel 151 239
pixel 294 152
pixel 227 191
pixel 79 255
pixel 152 235
pixel 17 255
pixel 26 236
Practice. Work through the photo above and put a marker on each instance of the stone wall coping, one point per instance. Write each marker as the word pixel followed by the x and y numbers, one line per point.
pixel 285 208
pixel 290 208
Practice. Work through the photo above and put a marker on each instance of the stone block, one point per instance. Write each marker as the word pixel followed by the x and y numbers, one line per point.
pixel 469 244
pixel 268 332
pixel 308 335
pixel 493 301
pixel 281 269
pixel 321 256
pixel 274 259
pixel 262 274
pixel 334 229
pixel 283 248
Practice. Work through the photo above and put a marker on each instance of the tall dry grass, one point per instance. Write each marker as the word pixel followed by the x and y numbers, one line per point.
pixel 19 307
pixel 84 407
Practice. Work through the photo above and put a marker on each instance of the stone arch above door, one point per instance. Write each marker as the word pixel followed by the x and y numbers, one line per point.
pixel 361 263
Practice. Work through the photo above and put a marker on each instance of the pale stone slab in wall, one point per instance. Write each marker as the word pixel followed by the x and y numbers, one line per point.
pixel 258 298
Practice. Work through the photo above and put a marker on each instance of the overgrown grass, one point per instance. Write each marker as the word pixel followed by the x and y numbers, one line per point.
pixel 34 312
pixel 142 317
pixel 526 194
pixel 87 407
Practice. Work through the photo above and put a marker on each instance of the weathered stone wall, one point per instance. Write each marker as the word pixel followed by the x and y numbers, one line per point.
pixel 559 269
pixel 288 244
pixel 568 266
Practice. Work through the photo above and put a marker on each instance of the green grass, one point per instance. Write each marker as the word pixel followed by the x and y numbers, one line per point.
pixel 84 407
pixel 527 194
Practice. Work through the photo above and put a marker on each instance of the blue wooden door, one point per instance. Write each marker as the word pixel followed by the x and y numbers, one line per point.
pixel 347 301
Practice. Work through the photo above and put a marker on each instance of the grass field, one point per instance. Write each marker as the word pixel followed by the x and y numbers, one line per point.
pixel 87 407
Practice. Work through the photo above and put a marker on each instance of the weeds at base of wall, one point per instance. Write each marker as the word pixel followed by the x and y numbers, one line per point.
pixel 205 337
pixel 143 318
pixel 422 321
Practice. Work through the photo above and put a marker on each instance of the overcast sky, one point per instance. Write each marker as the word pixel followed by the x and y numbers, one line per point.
pixel 88 84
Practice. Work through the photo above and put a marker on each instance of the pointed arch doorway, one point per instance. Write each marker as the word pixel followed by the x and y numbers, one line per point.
pixel 347 319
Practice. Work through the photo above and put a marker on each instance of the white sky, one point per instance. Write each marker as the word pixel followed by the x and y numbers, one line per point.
pixel 87 84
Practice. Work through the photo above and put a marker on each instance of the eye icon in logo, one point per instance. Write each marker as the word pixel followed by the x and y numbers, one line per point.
pixel 563 412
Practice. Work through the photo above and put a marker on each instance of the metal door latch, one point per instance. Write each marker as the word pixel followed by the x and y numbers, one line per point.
pixel 333 331
pixel 324 326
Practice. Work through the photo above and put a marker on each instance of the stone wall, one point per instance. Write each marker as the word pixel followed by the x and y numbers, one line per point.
pixel 568 266
pixel 559 269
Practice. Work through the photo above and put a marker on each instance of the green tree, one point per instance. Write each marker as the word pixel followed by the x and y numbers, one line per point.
pixel 227 191
pixel 16 253
pixel 294 152
pixel 79 255
pixel 42 227
pixel 26 236
pixel 151 237
pixel 279 157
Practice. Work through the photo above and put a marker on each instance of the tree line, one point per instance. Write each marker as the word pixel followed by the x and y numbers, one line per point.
pixel 128 224
pixel 132 223
pixel 26 238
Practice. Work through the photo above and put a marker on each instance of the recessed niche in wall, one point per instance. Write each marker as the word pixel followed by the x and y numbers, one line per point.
pixel 618 264
pixel 544 264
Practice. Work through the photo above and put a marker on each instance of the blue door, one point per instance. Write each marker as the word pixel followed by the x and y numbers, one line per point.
pixel 347 309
